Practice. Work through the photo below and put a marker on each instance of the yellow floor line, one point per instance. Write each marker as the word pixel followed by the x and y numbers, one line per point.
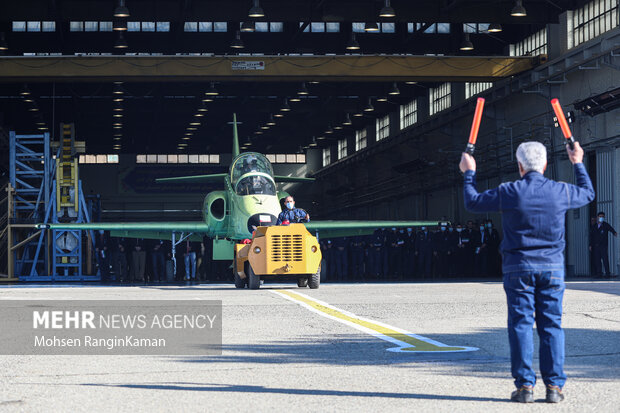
pixel 407 342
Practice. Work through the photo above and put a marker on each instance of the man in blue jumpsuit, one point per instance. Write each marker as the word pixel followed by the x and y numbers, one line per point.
pixel 533 211
pixel 292 214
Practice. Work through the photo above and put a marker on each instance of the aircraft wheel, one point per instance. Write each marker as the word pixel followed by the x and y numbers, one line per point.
pixel 253 279
pixel 315 279
pixel 239 282
pixel 302 282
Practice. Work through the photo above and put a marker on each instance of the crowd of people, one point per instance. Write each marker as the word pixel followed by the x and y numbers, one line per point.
pixel 131 260
pixel 471 250
pixel 447 251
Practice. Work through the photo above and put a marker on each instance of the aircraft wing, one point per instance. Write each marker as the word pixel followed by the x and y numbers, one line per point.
pixel 147 230
pixel 193 178
pixel 335 229
pixel 281 178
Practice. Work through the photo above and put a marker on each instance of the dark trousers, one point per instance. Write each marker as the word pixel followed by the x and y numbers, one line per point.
pixel 357 263
pixel 424 263
pixel 536 296
pixel 481 263
pixel 120 266
pixel 103 259
pixel 157 260
pixel 599 253
pixel 340 265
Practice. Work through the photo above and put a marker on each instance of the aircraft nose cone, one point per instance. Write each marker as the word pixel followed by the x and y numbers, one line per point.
pixel 261 220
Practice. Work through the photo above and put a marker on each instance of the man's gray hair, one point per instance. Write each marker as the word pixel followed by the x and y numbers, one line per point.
pixel 532 156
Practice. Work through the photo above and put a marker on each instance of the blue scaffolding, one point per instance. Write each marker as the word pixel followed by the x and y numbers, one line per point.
pixel 39 194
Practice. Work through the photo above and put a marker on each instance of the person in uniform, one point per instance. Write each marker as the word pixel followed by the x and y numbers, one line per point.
pixel 375 253
pixel 494 259
pixel 409 258
pixel 424 252
pixel 357 257
pixel 598 244
pixel 441 251
pixel 103 255
pixel 341 271
pixel 533 220
pixel 292 214
pixel 158 261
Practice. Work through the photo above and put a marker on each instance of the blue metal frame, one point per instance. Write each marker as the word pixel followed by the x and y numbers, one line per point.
pixel 35 202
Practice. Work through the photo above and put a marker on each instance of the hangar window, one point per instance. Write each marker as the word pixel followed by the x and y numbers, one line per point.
pixel 532 45
pixel 441 28
pixel 148 26
pixel 33 26
pixel 332 27
pixel 76 26
pixel 48 26
pixel 91 26
pixel 593 19
pixel 342 148
pixel 205 26
pixel 361 139
pixel 172 158
pixel 190 27
pixel 474 88
pixel 475 27
pixel 383 127
pixel 327 156
pixel 220 27
pixel 19 26
pixel 182 158
pixel 105 26
pixel 98 159
pixel 163 26
pixel 408 114
pixel 276 27
pixel 358 27
pixel 261 27
pixel 162 158
pixel 439 98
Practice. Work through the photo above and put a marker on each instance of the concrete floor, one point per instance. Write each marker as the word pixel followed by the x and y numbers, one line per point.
pixel 279 355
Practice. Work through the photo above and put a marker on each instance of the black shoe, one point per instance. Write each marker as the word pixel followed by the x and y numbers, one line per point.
pixel 525 394
pixel 554 394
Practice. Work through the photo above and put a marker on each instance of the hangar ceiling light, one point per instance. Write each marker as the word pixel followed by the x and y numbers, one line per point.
pixel 495 28
pixel 256 10
pixel 371 27
pixel 212 91
pixel 248 27
pixel 285 107
pixel 347 120
pixel 518 10
pixel 369 107
pixel 394 90
pixel 119 25
pixel 303 90
pixel 237 43
pixel 353 43
pixel 271 121
pixel 121 43
pixel 466 44
pixel 3 44
pixel 387 10
pixel 121 10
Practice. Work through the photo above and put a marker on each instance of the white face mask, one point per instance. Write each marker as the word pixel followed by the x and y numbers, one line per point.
pixel 601 219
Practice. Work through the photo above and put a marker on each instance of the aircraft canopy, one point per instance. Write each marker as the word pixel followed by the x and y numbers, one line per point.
pixel 249 162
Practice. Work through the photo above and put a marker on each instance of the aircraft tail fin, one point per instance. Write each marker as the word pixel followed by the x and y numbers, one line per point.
pixel 235 148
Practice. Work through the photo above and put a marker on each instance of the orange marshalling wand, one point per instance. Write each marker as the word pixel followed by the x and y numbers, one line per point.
pixel 475 126
pixel 559 113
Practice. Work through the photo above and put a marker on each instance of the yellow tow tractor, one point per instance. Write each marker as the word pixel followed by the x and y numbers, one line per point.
pixel 280 252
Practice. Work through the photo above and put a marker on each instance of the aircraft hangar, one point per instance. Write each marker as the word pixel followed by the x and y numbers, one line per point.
pixel 150 151
pixel 372 99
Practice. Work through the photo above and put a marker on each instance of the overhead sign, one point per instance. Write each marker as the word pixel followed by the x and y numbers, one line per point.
pixel 248 65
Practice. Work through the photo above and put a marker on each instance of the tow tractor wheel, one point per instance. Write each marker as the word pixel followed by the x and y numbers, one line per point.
pixel 239 282
pixel 253 279
pixel 302 282
pixel 315 279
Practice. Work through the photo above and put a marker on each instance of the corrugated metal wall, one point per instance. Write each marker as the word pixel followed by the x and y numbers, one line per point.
pixel 606 181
